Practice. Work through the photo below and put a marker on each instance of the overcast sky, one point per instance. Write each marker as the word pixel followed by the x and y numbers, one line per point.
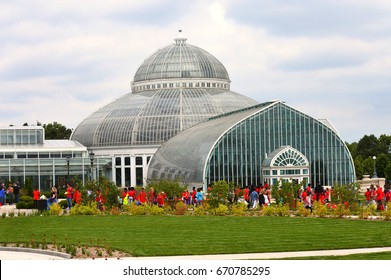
pixel 62 60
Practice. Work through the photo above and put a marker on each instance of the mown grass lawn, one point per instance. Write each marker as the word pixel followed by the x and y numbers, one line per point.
pixel 188 235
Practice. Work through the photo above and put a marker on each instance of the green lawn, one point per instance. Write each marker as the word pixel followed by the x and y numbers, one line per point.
pixel 187 235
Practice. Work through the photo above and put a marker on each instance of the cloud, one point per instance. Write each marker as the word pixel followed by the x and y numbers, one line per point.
pixel 330 59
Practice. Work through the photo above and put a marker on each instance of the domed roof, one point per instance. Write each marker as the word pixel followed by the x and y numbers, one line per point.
pixel 177 87
pixel 181 60
pixel 153 117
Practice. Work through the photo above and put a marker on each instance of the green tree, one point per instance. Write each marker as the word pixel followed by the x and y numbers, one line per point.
pixel 218 193
pixel 56 130
pixel 173 189
pixel 369 146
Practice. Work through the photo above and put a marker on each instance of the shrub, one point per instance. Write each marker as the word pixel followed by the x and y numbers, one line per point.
pixel 21 205
pixel 180 208
pixel 26 199
pixel 139 210
pixel 168 209
pixel 320 210
pixel 199 211
pixel 302 211
pixel 387 213
pixel 63 204
pixel 156 210
pixel 268 211
pixel 218 193
pixel 282 210
pixel 341 210
pixel 115 211
pixel 364 212
pixel 89 209
pixel 55 209
pixel 239 209
pixel 222 210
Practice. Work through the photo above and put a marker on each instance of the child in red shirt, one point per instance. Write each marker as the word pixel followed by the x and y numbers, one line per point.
pixel 36 195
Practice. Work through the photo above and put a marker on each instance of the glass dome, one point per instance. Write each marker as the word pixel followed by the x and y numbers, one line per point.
pixel 175 88
pixel 181 60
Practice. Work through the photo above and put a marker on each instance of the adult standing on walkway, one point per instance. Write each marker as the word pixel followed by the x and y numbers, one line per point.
pixel 69 194
pixel 318 191
pixel 16 191
pixel 36 195
pixel 2 193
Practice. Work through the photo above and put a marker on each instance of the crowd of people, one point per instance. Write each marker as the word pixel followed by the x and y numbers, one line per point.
pixel 10 193
pixel 252 196
pixel 377 196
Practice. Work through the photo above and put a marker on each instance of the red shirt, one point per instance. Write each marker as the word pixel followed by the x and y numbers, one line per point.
pixel 160 199
pixel 132 193
pixel 98 197
pixel 69 192
pixel 142 197
pixel 368 195
pixel 379 194
pixel 246 193
pixel 303 195
pixel 77 197
pixel 388 195
pixel 36 194
pixel 151 196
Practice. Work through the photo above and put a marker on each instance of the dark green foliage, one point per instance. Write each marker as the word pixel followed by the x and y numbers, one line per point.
pixel 346 193
pixel 363 152
pixel 286 193
pixel 218 193
pixel 56 131
pixel 173 189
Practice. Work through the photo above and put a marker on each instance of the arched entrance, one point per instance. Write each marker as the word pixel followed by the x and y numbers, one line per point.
pixel 285 164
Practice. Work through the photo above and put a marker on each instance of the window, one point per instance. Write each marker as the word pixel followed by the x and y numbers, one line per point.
pixel 139 161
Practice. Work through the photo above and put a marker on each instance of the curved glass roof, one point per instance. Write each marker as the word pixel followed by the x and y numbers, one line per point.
pixel 233 146
pixel 181 60
pixel 153 117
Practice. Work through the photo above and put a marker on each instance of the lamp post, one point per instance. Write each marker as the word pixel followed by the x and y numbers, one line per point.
pixel 92 155
pixel 68 160
pixel 374 167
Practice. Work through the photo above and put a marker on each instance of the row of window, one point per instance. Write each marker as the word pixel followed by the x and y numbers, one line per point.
pixel 139 161
pixel 286 172
pixel 9 155
pixel 21 136
pixel 181 85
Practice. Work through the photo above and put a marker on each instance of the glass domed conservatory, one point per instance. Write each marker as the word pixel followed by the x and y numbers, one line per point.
pixel 175 88
pixel 267 142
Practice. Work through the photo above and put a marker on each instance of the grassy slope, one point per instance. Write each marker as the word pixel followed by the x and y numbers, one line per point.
pixel 184 235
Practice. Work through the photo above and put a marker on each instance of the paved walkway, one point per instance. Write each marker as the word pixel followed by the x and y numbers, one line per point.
pixel 33 254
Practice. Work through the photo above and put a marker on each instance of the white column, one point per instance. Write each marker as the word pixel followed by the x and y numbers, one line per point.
pixel 145 170
pixel 113 179
pixel 122 171
pixel 132 171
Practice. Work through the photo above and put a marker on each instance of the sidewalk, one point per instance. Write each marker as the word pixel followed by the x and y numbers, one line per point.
pixel 34 254
pixel 12 208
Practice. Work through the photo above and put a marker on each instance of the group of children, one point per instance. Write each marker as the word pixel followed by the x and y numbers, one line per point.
pixel 377 196
pixel 142 197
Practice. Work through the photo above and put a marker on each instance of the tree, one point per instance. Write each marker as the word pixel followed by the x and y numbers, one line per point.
pixel 368 146
pixel 56 131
